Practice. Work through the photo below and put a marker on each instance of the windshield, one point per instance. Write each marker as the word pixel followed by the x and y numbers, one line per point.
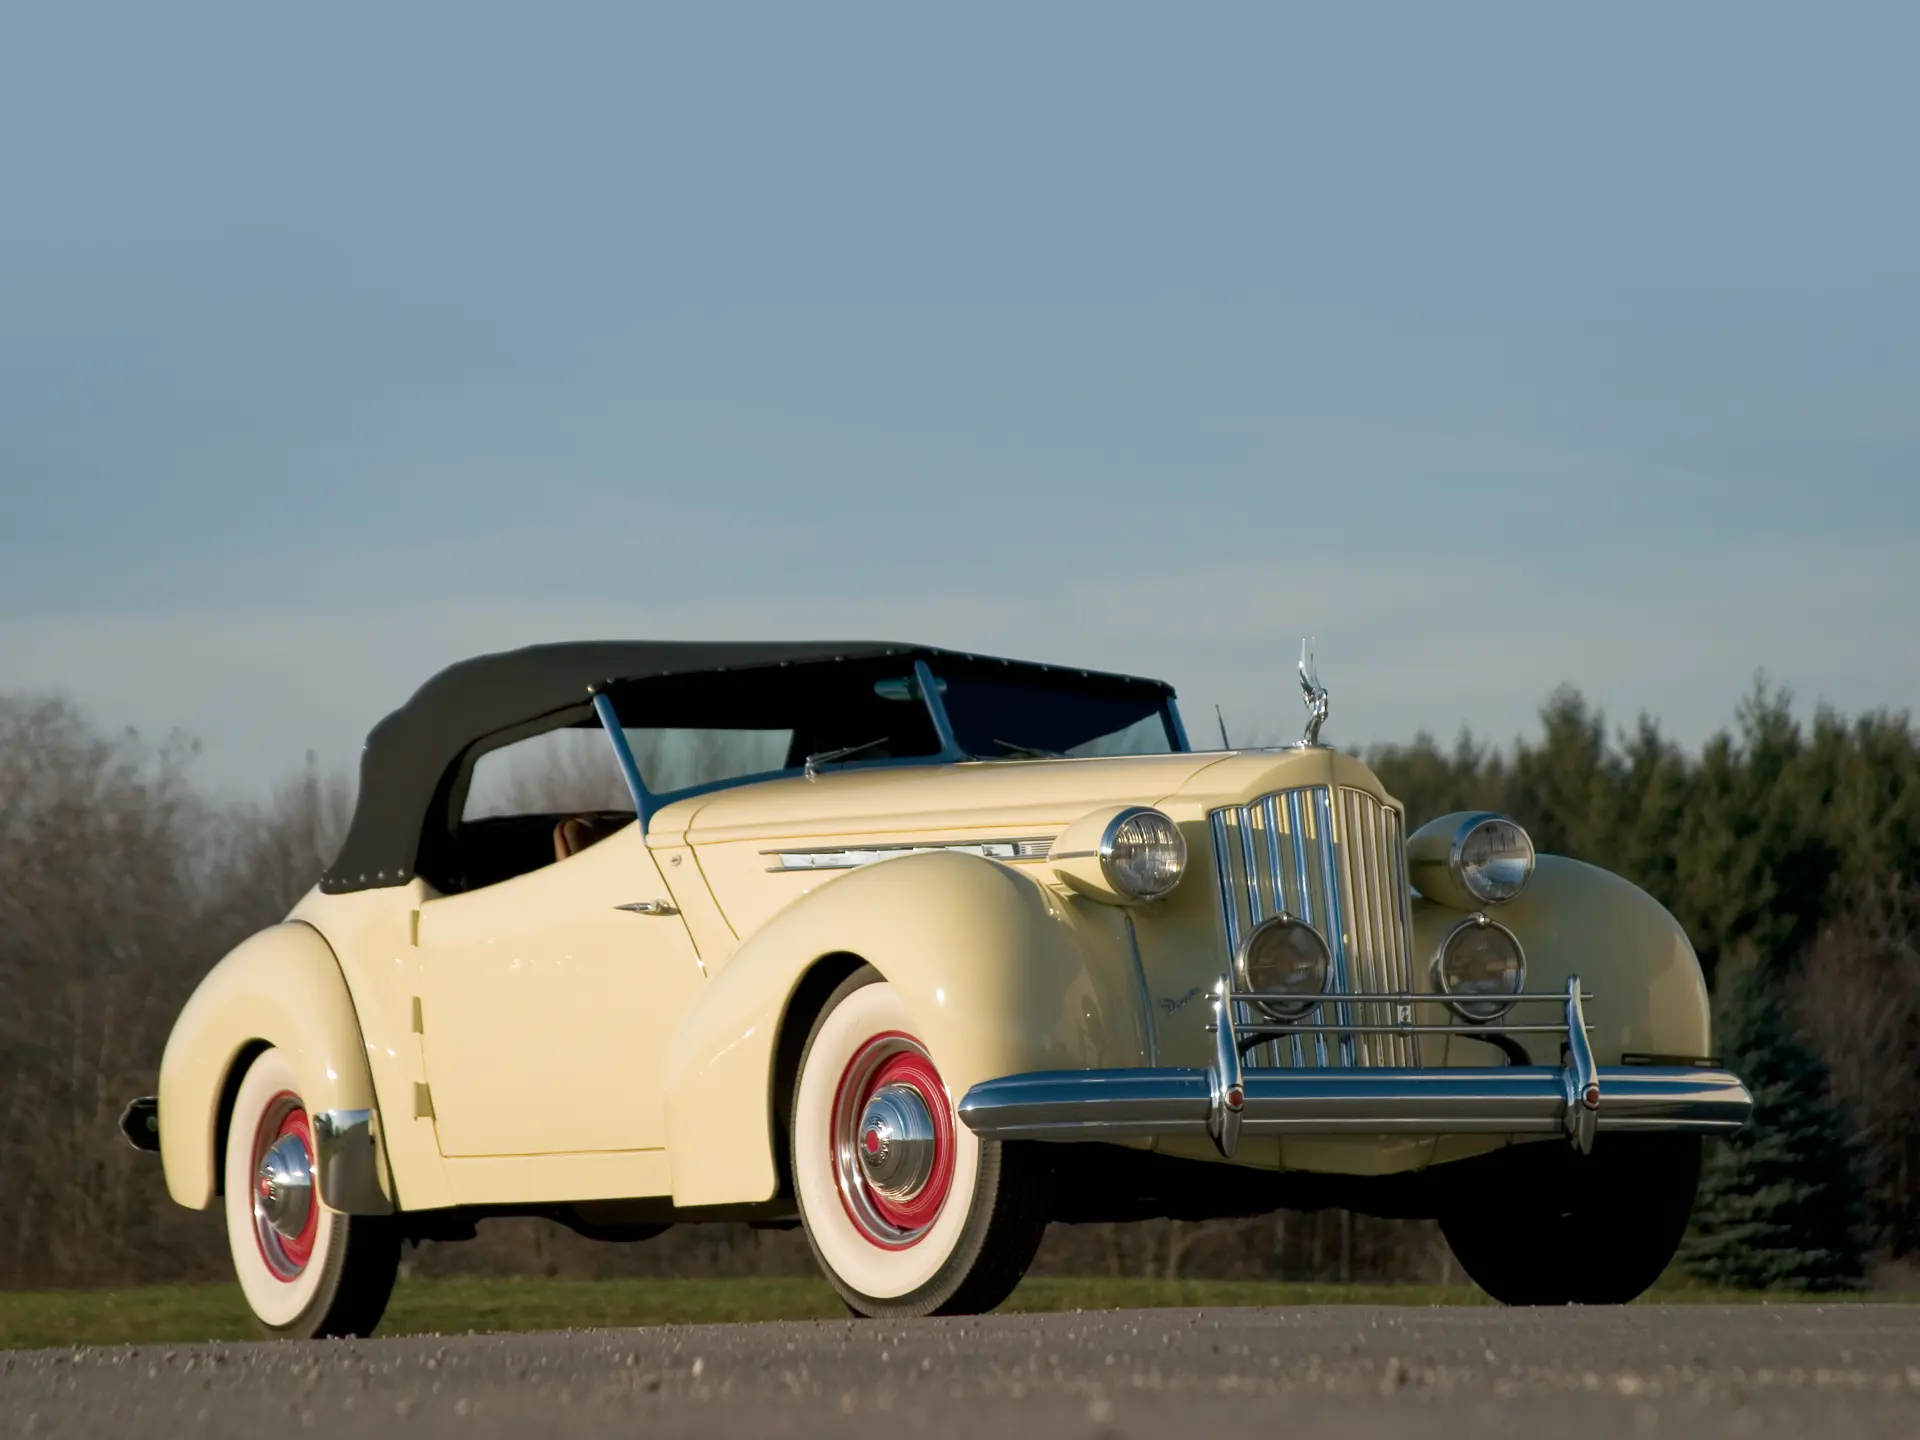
pixel 698 731
pixel 999 718
pixel 692 732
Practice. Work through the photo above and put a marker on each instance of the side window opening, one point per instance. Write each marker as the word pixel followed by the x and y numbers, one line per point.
pixel 553 773
pixel 535 801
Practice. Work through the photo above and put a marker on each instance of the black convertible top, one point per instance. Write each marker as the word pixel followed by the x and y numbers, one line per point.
pixel 411 757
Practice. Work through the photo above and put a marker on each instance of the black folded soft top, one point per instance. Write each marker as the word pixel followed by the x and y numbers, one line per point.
pixel 410 757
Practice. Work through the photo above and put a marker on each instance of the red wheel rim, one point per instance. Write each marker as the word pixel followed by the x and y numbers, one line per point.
pixel 893 1062
pixel 286 1212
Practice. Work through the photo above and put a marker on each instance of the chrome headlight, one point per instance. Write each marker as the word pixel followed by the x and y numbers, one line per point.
pixel 1480 967
pixel 1493 858
pixel 1121 854
pixel 1284 956
pixel 1142 853
pixel 1470 859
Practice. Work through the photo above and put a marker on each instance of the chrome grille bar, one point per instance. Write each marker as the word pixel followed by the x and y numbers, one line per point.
pixel 1336 861
pixel 1374 876
pixel 1336 930
pixel 1303 889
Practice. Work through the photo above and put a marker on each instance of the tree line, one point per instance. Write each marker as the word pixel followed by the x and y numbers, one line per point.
pixel 1791 854
pixel 1789 850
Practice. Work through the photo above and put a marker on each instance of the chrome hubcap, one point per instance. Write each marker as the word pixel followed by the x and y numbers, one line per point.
pixel 893 1141
pixel 896 1145
pixel 283 1188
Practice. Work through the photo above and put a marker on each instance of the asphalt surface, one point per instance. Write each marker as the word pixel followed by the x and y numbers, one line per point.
pixel 1352 1371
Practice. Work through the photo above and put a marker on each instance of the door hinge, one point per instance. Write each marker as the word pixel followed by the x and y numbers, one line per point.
pixel 422 1101
pixel 419 1019
pixel 413 928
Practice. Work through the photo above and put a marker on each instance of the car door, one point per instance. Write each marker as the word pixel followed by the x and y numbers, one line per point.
pixel 548 1002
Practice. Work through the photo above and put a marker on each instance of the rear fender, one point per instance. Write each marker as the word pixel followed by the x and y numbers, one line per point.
pixel 281 988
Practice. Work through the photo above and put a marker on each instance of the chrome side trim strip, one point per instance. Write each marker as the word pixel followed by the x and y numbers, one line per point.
pixel 852 857
pixel 1146 992
pixel 347 1158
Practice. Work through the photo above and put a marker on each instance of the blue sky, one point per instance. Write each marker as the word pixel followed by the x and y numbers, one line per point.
pixel 1496 346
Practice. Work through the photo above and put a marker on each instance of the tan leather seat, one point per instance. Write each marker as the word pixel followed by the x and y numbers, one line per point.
pixel 577 832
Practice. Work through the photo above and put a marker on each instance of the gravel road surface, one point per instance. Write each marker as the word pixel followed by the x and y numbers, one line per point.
pixel 1811 1372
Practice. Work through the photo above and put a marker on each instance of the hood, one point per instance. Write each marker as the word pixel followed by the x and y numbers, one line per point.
pixel 1031 796
pixel 1028 796
pixel 735 833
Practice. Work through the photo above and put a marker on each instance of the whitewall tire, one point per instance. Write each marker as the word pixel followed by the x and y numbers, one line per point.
pixel 907 1210
pixel 305 1270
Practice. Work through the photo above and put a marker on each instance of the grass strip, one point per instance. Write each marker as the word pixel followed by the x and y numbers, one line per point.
pixel 179 1314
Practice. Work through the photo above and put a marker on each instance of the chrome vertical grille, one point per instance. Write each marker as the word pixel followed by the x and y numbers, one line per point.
pixel 1335 860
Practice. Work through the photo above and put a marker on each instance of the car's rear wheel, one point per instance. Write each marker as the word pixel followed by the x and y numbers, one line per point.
pixel 305 1270
pixel 908 1212
pixel 1540 1225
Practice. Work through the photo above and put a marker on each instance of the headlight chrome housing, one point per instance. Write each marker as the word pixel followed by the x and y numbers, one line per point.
pixel 1479 967
pixel 1142 853
pixel 1121 855
pixel 1492 858
pixel 1469 859
pixel 1284 956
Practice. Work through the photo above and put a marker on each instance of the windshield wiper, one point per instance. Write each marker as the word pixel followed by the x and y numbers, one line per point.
pixel 827 757
pixel 1031 752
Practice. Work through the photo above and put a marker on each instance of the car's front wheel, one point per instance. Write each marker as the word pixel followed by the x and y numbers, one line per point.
pixel 908 1211
pixel 305 1270
pixel 1540 1225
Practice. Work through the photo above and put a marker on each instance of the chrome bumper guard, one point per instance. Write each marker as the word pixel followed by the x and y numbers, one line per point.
pixel 347 1161
pixel 1225 1100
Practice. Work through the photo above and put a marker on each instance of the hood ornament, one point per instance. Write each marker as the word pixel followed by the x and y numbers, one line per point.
pixel 1315 696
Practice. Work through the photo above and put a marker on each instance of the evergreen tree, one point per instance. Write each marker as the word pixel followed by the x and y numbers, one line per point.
pixel 1781 1203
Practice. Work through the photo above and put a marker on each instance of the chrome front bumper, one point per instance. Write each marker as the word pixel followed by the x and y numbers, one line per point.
pixel 1577 1099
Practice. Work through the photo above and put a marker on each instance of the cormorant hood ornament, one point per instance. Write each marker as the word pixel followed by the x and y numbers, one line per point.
pixel 1315 696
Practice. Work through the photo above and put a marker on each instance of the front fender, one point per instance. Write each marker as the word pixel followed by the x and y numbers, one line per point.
pixel 1000 974
pixel 1632 956
pixel 282 988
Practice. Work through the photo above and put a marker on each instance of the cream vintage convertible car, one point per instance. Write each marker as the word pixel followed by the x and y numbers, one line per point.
pixel 923 950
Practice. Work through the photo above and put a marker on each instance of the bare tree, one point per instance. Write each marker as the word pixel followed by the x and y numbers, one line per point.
pixel 102 910
pixel 119 887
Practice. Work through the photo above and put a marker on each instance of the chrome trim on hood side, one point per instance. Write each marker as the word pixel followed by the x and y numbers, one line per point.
pixel 852 857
